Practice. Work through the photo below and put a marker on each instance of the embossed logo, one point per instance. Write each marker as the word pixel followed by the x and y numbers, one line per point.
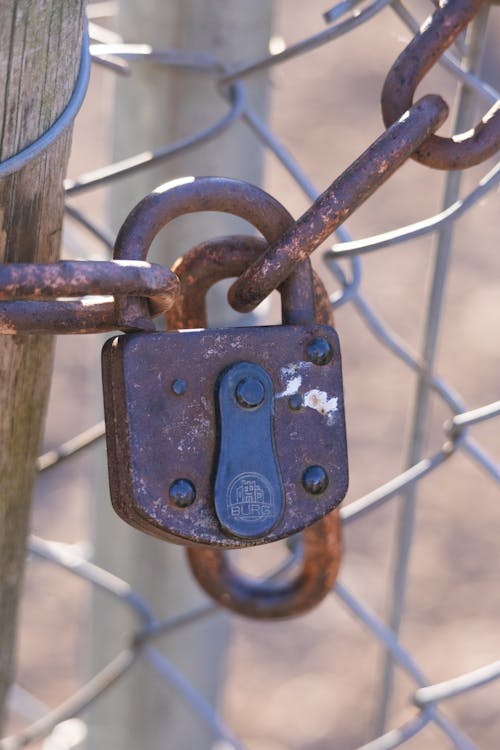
pixel 250 498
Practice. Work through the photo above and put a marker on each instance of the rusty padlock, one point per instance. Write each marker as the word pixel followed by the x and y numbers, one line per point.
pixel 226 437
pixel 321 542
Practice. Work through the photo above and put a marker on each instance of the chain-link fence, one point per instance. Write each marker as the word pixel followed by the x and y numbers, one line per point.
pixel 443 432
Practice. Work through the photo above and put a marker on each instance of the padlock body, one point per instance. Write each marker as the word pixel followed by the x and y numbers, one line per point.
pixel 163 425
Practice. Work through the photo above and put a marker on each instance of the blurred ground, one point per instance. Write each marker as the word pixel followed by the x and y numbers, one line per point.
pixel 311 684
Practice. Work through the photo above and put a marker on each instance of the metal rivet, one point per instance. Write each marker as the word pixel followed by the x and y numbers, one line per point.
pixel 179 386
pixel 315 480
pixel 182 492
pixel 319 351
pixel 295 401
pixel 250 393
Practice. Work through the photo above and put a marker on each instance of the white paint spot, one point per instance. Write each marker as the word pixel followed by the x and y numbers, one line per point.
pixel 320 402
pixel 292 386
pixel 292 369
pixel 312 399
pixel 291 378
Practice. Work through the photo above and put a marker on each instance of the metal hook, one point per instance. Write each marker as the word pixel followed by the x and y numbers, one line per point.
pixel 437 34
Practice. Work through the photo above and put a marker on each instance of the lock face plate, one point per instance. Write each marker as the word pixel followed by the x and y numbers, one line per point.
pixel 248 494
pixel 164 438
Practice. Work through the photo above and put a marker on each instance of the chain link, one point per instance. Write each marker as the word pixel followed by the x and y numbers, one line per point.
pixel 436 35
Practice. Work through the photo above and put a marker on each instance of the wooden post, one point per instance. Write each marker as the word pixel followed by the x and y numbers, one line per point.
pixel 154 107
pixel 39 60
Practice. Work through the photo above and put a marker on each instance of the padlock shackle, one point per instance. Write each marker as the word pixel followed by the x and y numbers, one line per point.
pixel 190 195
pixel 270 599
pixel 198 270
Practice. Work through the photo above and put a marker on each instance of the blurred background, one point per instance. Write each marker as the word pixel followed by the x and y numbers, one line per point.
pixel 314 682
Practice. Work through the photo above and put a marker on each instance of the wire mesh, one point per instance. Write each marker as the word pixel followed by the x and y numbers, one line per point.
pixel 345 261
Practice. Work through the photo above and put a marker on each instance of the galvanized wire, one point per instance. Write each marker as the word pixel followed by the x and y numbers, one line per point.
pixel 442 262
pixel 17 161
pixel 402 488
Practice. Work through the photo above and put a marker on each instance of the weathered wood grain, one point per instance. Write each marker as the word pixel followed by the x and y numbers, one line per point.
pixel 39 58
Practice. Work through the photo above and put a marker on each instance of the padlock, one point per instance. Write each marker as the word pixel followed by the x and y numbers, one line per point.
pixel 222 437
pixel 321 543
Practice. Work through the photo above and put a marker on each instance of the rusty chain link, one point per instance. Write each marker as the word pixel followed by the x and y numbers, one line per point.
pixel 338 202
pixel 436 35
pixel 32 284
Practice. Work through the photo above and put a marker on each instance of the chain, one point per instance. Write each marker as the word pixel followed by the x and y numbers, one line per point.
pixel 29 291
pixel 34 286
